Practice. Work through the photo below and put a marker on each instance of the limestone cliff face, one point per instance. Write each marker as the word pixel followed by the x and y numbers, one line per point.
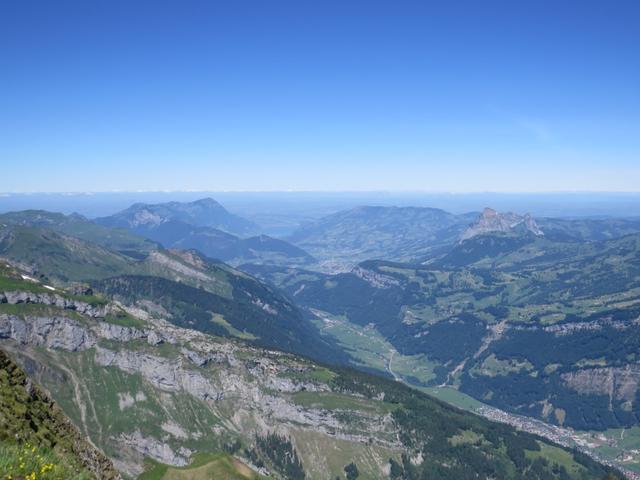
pixel 491 221
pixel 55 300
pixel 51 332
pixel 179 387
pixel 60 331
pixel 375 279
pixel 618 383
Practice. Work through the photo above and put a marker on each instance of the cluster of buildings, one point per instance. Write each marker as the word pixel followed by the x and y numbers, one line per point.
pixel 567 437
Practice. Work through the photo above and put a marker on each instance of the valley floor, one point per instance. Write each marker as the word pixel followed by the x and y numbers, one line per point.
pixel 616 447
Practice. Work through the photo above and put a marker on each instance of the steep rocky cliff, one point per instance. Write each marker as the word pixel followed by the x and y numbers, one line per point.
pixel 491 221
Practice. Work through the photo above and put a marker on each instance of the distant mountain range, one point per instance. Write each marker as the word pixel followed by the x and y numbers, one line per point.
pixel 415 234
pixel 202 213
pixel 117 239
pixel 206 226
pixel 343 239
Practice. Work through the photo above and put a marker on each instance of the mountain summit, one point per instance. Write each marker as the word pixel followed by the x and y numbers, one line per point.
pixel 491 221
pixel 205 212
pixel 207 226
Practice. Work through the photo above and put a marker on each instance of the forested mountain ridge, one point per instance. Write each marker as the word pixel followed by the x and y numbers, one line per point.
pixel 260 249
pixel 193 290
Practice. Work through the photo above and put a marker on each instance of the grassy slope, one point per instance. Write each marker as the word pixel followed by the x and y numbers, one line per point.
pixel 32 425
pixel 77 226
pixel 218 466
pixel 17 461
pixel 60 257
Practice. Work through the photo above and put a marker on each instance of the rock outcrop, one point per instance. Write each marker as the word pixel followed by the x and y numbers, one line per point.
pixel 156 449
pixel 375 279
pixel 52 332
pixel 618 383
pixel 491 221
pixel 55 300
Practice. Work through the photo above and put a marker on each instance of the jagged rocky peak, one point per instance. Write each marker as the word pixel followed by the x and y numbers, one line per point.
pixel 491 221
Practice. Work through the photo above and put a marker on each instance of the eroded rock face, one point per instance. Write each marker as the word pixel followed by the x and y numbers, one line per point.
pixel 569 328
pixel 200 359
pixel 265 306
pixel 146 217
pixel 165 374
pixel 118 332
pixel 51 332
pixel 619 383
pixel 375 279
pixel 154 448
pixel 52 299
pixel 64 333
pixel 491 221
pixel 162 258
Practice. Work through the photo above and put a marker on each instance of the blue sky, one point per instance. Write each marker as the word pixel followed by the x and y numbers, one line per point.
pixel 320 95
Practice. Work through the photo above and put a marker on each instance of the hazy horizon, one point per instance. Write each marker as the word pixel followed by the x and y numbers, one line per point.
pixel 280 212
pixel 400 192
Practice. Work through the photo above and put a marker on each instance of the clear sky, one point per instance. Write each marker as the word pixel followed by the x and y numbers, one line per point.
pixel 320 95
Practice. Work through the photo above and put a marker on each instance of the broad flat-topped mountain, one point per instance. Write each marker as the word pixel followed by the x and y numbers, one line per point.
pixel 167 402
pixel 491 221
pixel 206 226
pixel 588 229
pixel 202 213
